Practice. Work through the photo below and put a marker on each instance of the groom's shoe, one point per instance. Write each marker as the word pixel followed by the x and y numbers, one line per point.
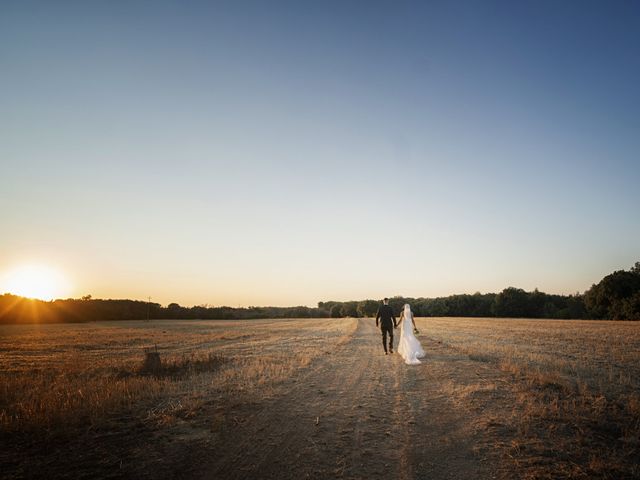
pixel 390 351
pixel 386 353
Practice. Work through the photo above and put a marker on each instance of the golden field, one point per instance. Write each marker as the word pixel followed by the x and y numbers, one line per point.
pixel 509 398
pixel 575 390
pixel 56 374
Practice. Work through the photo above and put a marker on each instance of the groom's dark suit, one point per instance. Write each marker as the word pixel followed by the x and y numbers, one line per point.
pixel 387 321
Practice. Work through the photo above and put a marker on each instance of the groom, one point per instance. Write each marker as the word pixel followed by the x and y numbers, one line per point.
pixel 387 323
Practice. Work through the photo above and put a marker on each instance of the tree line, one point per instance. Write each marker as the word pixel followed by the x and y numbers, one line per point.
pixel 615 297
pixel 15 309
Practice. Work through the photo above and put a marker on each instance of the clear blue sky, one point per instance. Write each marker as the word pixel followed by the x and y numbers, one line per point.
pixel 252 153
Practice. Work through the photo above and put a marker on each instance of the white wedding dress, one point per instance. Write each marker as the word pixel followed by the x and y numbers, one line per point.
pixel 409 346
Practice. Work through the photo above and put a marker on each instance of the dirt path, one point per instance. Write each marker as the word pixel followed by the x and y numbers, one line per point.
pixel 358 414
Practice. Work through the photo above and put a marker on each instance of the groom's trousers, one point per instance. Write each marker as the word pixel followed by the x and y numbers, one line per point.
pixel 387 329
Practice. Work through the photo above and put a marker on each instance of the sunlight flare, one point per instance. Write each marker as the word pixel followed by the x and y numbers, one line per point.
pixel 35 281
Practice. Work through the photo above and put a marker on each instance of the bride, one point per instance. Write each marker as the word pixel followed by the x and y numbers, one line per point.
pixel 409 346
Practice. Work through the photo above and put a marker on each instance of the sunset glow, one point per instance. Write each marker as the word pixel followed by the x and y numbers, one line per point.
pixel 35 281
pixel 239 153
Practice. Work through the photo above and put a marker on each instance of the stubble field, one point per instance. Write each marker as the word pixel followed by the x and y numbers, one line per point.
pixel 317 398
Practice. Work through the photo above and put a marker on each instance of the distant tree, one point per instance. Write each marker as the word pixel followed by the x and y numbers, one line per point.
pixel 551 310
pixel 397 303
pixel 631 307
pixel 482 304
pixel 349 309
pixel 613 296
pixel 299 312
pixel 327 306
pixel 576 306
pixel 439 307
pixel 511 302
pixel 536 303
pixel 367 308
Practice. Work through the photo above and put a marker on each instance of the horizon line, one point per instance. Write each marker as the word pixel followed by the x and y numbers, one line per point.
pixel 208 305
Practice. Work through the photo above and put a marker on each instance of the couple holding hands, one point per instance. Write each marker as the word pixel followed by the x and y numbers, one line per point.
pixel 409 346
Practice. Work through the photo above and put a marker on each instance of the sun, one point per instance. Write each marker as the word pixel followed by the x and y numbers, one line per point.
pixel 35 281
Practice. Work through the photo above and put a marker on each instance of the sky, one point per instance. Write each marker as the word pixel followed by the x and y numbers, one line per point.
pixel 284 153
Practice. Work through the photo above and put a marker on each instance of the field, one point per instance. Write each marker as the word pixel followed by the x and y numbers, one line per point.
pixel 317 398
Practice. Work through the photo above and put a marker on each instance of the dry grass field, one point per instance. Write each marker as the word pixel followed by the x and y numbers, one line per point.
pixel 316 398
pixel 575 386
pixel 57 375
